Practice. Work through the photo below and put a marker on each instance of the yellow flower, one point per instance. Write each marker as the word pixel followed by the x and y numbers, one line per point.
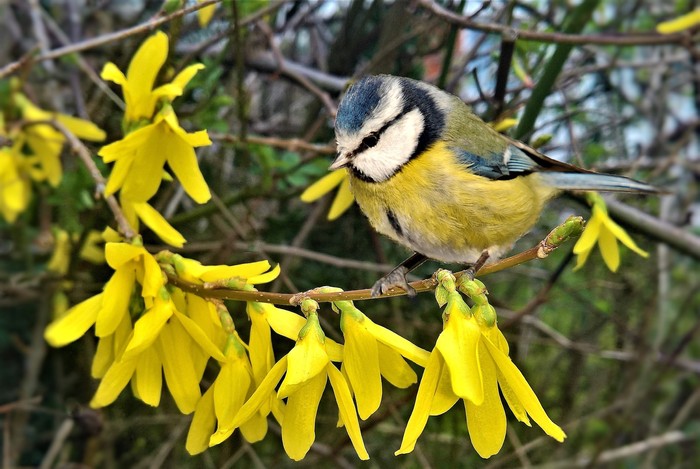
pixel 45 142
pixel 63 246
pixel 136 211
pixel 681 23
pixel 132 264
pixel 470 362
pixel 372 351
pixel 170 357
pixel 601 229
pixel 204 15
pixel 238 276
pixel 223 400
pixel 140 156
pixel 308 367
pixel 137 85
pixel 343 199
pixel 15 187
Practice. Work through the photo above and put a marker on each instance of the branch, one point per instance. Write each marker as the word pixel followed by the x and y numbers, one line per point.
pixel 83 153
pixel 623 40
pixel 569 229
pixel 101 40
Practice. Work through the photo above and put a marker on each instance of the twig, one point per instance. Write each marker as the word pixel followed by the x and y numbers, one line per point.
pixel 543 249
pixel 84 154
pixel 632 39
pixel 292 144
pixel 104 39
pixel 57 443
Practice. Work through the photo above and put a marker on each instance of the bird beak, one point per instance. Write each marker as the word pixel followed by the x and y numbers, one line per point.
pixel 341 161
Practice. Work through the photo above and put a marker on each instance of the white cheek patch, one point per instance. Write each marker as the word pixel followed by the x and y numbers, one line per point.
pixel 395 147
pixel 389 106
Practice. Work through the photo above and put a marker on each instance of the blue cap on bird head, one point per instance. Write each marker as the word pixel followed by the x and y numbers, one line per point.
pixel 358 104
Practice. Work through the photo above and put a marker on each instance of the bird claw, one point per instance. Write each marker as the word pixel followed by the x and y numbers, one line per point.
pixel 395 278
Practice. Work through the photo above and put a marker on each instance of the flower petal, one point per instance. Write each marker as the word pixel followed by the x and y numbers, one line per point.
pixel 256 400
pixel 117 295
pixel 203 423
pixel 114 381
pixel 487 422
pixel 361 360
pixel 394 368
pixel 589 236
pixel 299 426
pixel 156 222
pixel 324 185
pixel 183 383
pixel 421 409
pixel 607 243
pixel 348 414
pixel 75 323
pixel 405 347
pixel 200 337
pixel 149 377
pixel 625 238
pixel 230 391
pixel 524 392
pixel 458 344
pixel 343 200
pixel 148 327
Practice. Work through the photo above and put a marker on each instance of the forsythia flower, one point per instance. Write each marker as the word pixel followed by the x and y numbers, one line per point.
pixel 470 362
pixel 45 142
pixel 307 367
pixel 681 23
pixel 372 352
pixel 224 398
pixel 35 152
pixel 140 156
pixel 601 229
pixel 135 211
pixel 343 199
pixel 63 244
pixel 153 137
pixel 15 186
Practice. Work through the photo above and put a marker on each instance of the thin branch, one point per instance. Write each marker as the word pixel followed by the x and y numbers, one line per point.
pixel 84 154
pixel 540 251
pixel 104 39
pixel 627 40
pixel 293 144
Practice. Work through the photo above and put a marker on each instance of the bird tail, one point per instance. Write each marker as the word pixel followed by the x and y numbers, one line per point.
pixel 596 182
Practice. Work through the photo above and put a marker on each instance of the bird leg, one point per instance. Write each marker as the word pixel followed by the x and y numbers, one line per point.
pixel 397 277
pixel 473 269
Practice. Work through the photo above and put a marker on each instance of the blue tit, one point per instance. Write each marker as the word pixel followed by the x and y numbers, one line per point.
pixel 432 176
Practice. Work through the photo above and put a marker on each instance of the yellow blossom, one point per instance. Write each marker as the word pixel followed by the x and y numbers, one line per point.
pixel 470 362
pixel 135 211
pixel 204 15
pixel 132 265
pixel 15 186
pixel 680 23
pixel 372 352
pixel 63 246
pixel 343 199
pixel 137 85
pixel 223 400
pixel 602 230
pixel 307 367
pixel 140 156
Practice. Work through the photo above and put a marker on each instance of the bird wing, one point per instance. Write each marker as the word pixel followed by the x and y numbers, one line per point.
pixel 516 159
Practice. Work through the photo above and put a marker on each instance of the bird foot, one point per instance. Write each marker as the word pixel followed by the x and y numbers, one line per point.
pixel 395 278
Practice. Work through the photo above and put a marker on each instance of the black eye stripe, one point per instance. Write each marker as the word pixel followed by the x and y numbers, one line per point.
pixel 373 138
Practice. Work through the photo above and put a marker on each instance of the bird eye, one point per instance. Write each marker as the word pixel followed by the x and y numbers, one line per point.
pixel 370 140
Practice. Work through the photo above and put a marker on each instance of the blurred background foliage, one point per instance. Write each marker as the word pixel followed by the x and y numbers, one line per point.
pixel 614 358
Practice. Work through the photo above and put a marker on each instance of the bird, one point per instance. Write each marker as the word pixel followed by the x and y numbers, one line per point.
pixel 432 176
